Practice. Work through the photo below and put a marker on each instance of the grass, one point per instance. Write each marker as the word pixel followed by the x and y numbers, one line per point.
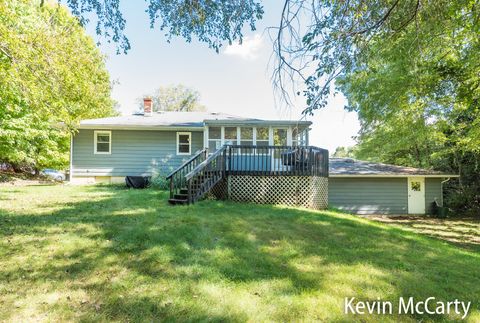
pixel 99 253
pixel 461 231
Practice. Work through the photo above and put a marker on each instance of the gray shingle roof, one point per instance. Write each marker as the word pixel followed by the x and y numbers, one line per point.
pixel 176 119
pixel 353 167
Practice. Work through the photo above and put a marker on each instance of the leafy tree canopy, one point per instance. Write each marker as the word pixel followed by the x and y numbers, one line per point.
pixel 344 152
pixel 51 73
pixel 174 98
pixel 212 22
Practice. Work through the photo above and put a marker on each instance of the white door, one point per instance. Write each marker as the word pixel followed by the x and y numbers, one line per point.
pixel 416 195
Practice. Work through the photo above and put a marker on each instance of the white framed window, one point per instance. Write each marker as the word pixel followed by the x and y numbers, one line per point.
pixel 184 143
pixel 230 134
pixel 102 142
pixel 262 138
pixel 299 137
pixel 214 139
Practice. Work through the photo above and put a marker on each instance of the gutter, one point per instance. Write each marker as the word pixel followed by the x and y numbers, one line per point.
pixel 392 175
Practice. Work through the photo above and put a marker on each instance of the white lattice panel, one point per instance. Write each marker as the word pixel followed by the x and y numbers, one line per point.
pixel 307 191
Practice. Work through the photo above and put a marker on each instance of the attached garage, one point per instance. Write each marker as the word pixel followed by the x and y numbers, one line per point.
pixel 372 188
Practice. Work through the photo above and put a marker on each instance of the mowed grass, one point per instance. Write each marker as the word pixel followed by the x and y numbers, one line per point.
pixel 98 253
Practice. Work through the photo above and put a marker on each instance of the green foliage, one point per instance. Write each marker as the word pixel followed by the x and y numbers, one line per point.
pixel 342 152
pixel 211 22
pixel 174 98
pixel 417 93
pixel 51 76
pixel 159 181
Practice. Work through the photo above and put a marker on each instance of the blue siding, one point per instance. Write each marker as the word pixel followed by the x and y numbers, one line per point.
pixel 369 195
pixel 134 152
pixel 433 190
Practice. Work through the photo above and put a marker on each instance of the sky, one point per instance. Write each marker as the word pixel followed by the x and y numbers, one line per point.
pixel 236 81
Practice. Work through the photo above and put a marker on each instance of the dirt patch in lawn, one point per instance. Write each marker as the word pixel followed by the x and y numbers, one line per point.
pixel 463 231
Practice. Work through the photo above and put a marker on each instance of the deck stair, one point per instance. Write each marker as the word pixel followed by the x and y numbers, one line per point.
pixel 195 178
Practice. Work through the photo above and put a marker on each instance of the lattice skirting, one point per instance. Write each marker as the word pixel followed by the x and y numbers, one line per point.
pixel 306 191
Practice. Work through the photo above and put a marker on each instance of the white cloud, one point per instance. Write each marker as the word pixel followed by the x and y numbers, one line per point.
pixel 248 50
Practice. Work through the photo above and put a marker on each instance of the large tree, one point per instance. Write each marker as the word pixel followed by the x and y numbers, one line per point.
pixel 51 76
pixel 175 98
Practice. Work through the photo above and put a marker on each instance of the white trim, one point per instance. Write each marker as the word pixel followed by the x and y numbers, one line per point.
pixel 254 137
pixel 71 158
pixel 270 136
pixel 289 136
pixel 189 143
pixel 387 176
pixel 205 137
pixel 95 133
pixel 222 136
pixel 238 135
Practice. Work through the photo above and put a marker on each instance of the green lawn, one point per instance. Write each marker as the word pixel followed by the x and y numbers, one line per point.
pixel 107 253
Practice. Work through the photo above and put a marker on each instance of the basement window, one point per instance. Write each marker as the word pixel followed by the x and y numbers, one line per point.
pixel 102 142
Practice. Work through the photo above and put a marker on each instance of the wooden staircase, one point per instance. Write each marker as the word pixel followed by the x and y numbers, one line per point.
pixel 196 177
pixel 181 198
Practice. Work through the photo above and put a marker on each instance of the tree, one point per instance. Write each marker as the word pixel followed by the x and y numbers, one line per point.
pixel 344 152
pixel 175 98
pixel 51 76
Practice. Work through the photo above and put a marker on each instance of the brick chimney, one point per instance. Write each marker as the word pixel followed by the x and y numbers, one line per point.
pixel 147 106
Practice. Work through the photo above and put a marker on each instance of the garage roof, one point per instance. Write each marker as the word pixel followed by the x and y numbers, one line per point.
pixel 348 167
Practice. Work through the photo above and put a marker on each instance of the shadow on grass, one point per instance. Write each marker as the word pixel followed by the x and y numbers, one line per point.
pixel 219 243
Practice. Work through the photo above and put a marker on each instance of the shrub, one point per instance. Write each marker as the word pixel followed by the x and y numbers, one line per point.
pixel 159 180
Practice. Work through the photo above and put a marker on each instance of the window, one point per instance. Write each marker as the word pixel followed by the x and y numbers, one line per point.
pixel 184 143
pixel 415 186
pixel 299 137
pixel 214 139
pixel 230 135
pixel 262 136
pixel 246 138
pixel 102 142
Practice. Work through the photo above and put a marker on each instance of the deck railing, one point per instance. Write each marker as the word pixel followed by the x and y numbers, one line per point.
pixel 277 160
pixel 177 177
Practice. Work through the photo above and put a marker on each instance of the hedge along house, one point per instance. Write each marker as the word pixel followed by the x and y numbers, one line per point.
pixel 373 188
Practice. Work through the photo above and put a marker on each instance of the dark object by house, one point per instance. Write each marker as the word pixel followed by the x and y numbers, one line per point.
pixel 438 210
pixel 137 181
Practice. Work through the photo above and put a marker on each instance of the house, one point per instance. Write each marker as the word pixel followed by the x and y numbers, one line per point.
pixel 108 149
pixel 243 159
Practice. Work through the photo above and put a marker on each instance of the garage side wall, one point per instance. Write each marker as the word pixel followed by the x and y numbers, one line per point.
pixel 369 195
pixel 433 190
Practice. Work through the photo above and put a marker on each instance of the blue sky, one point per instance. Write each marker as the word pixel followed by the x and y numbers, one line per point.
pixel 235 81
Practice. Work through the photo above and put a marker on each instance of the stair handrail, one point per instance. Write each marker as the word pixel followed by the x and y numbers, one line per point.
pixel 189 161
pixel 204 164
pixel 177 177
pixel 208 177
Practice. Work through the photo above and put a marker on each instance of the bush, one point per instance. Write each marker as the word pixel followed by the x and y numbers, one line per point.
pixel 159 181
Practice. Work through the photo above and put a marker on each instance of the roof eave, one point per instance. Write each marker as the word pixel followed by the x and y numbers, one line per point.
pixel 140 127
pixel 257 122
pixel 394 175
